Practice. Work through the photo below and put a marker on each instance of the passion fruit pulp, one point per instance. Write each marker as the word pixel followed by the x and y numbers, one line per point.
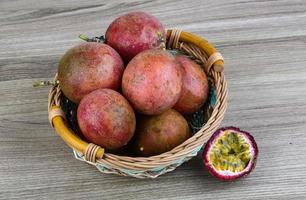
pixel 230 153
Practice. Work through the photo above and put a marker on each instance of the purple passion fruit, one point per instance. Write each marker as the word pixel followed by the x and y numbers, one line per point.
pixel 230 153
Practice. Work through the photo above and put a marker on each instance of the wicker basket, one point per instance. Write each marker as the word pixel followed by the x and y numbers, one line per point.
pixel 151 167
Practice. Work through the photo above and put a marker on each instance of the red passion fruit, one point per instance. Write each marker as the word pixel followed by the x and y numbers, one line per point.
pixel 195 86
pixel 106 118
pixel 133 33
pixel 160 133
pixel 152 81
pixel 88 67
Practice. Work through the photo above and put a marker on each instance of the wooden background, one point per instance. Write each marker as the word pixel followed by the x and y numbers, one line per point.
pixel 264 46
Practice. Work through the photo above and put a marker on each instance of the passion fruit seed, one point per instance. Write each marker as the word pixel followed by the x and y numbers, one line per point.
pixel 231 152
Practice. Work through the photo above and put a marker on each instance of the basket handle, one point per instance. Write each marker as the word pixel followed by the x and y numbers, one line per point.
pixel 215 59
pixel 90 151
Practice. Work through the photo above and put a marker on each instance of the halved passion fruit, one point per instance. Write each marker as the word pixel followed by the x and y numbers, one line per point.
pixel 230 153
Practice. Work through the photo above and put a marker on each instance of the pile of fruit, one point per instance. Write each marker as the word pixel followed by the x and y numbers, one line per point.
pixel 133 94
pixel 131 77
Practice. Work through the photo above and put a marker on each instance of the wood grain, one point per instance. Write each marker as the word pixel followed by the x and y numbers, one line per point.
pixel 263 43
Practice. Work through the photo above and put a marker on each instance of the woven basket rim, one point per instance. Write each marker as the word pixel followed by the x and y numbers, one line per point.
pixel 191 44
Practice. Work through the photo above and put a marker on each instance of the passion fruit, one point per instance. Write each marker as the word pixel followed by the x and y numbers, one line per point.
pixel 160 133
pixel 230 153
pixel 195 86
pixel 133 33
pixel 106 118
pixel 152 82
pixel 87 67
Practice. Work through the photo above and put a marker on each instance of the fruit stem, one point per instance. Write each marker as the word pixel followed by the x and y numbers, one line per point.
pixel 94 39
pixel 83 37
pixel 45 83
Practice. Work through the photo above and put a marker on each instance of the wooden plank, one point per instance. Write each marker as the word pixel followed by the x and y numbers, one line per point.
pixel 263 43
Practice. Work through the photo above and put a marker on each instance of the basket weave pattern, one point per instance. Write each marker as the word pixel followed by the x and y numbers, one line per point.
pixel 150 167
